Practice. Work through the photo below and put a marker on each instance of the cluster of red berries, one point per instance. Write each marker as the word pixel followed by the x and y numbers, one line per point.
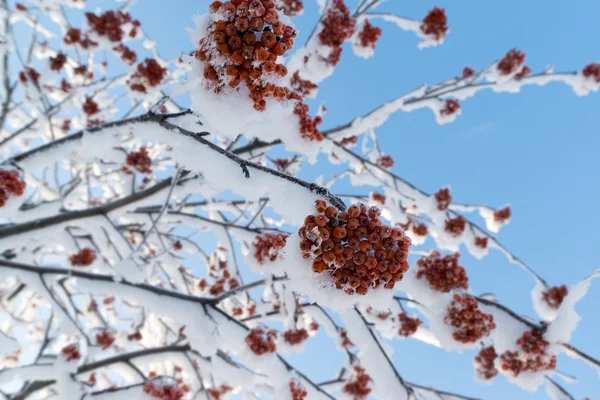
pixel 408 325
pixel 110 24
pixel 386 162
pixel 338 26
pixel 282 163
pixel 352 140
pixel 85 257
pixel 149 73
pixel 105 339
pixel 291 8
pixel 502 215
pixel 467 72
pixel 218 287
pixel 592 71
pixel 261 341
pixel 217 393
pixel 74 36
pixel 418 229
pixel 532 357
pixel 451 106
pixel 443 273
pixel 455 226
pixel 165 392
pixel 469 322
pixel 90 107
pixel 481 242
pixel 308 125
pixel 127 55
pixel 302 86
pixel 358 388
pixel 297 391
pixel 435 23
pixel 378 197
pixel 71 352
pixel 296 336
pixel 29 74
pixel 138 160
pixel 58 61
pixel 485 362
pixel 511 61
pixel 368 35
pixel 11 184
pixel 354 247
pixel 443 199
pixel 523 73
pixel 137 336
pixel 554 296
pixel 345 341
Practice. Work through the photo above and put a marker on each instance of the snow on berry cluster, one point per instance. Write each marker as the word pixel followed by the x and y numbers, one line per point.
pixel 295 336
pixel 532 356
pixel 291 8
pixel 443 273
pixel 358 388
pixel 408 325
pixel 267 246
pixel 261 341
pixel 455 226
pixel 435 23
pixel 443 199
pixel 11 184
pixel 355 248
pixel 164 390
pixel 138 160
pixel 105 339
pixel 84 258
pixel 337 27
pixel 364 40
pixel 112 25
pixel 149 74
pixel 484 361
pixel 554 296
pixel 71 352
pixel 217 393
pixel 469 323
pixel 297 391
pixel 219 270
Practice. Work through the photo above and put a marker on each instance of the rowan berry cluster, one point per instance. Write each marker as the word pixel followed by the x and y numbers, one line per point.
pixel 420 229
pixel 592 71
pixel 165 392
pixel 74 36
pixel 149 73
pixel 554 296
pixel 408 325
pixel 217 393
pixel 29 74
pixel 443 199
pixel 469 322
pixel 451 106
pixel 435 23
pixel 344 339
pixel 386 162
pixel 267 246
pixel 308 125
pixel 11 184
pixel 358 387
pixel 485 363
pixel 302 86
pixel 71 352
pixel 502 215
pixel 443 273
pixel 481 242
pixel 368 35
pixel 295 336
pixel 511 61
pixel 127 55
pixel 105 339
pixel 355 248
pixel 218 287
pixel 291 8
pixel 297 391
pixel 261 341
pixel 523 73
pixel 139 160
pixel 281 163
pixel 90 107
pixel 111 23
pixel 137 336
pixel 378 197
pixel 467 72
pixel 352 140
pixel 455 226
pixel 57 62
pixel 533 355
pixel 85 257
pixel 338 26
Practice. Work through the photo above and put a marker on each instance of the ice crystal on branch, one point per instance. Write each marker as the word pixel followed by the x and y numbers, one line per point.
pixel 443 273
pixel 11 184
pixel 261 341
pixel 554 296
pixel 485 363
pixel 267 246
pixel 469 323
pixel 355 248
pixel 84 258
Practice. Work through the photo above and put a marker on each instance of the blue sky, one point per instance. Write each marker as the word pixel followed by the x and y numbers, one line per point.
pixel 537 150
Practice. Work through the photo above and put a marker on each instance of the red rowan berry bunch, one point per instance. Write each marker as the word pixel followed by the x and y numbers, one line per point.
pixel 338 26
pixel 11 184
pixel 481 242
pixel 149 73
pixel 511 62
pixel 443 273
pixel 74 36
pixel 554 296
pixel 165 392
pixel 90 107
pixel 443 199
pixel 71 352
pixel 137 336
pixel 523 73
pixel 386 162
pixel 57 62
pixel 291 8
pixel 533 355
pixel 297 391
pixel 281 163
pixel 484 363
pixel 408 325
pixel 378 197
pixel 358 387
pixel 302 86
pixel 502 215
pixel 345 340
pixel 435 23
pixel 29 74
pixel 456 226
pixel 111 23
pixel 451 106
pixel 261 341
pixel 217 393
pixel 368 35
pixel 469 322
pixel 85 257
pixel 127 55
pixel 139 160
pixel 355 248
pixel 467 72
pixel 592 71
pixel 352 140
pixel 419 229
pixel 105 339
pixel 296 336
pixel 268 246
